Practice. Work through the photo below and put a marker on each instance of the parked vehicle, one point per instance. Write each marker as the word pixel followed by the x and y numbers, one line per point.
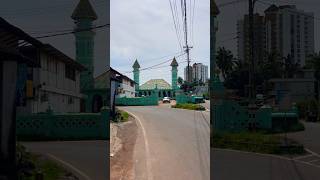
pixel 166 100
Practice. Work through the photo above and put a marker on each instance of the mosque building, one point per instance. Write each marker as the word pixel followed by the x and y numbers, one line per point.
pixel 158 86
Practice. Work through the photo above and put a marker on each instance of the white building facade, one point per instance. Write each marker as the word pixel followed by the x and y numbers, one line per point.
pixel 55 85
pixel 290 31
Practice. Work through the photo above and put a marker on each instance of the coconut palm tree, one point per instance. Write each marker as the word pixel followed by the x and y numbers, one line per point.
pixel 290 67
pixel 225 61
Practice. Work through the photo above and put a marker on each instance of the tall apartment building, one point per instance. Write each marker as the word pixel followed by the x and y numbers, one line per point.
pixel 290 31
pixel 283 29
pixel 186 72
pixel 198 71
pixel 259 42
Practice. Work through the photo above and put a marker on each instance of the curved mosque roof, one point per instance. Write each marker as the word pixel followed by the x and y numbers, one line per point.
pixel 153 83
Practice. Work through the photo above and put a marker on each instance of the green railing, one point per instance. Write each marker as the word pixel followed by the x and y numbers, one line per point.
pixel 80 126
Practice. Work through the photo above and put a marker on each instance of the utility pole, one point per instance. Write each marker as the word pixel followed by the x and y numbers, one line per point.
pixel 251 59
pixel 187 47
pixel 252 108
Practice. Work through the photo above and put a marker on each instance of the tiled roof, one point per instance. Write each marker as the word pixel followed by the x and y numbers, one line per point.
pixel 101 81
pixel 84 10
pixel 151 84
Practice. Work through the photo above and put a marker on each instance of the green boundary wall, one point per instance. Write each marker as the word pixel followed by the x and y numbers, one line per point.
pixel 230 116
pixel 138 101
pixel 73 126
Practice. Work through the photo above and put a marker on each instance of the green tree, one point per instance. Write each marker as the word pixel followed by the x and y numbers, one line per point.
pixel 290 67
pixel 313 62
pixel 225 61
pixel 180 80
pixel 272 67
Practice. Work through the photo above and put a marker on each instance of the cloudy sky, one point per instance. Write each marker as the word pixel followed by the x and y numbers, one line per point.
pixel 231 13
pixel 38 17
pixel 144 30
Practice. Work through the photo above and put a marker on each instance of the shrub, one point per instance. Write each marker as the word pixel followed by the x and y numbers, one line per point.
pixel 189 106
pixel 308 105
pixel 121 116
pixel 255 142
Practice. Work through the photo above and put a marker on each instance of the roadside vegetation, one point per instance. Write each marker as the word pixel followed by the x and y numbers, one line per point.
pixel 309 110
pixel 256 142
pixel 32 166
pixel 189 106
pixel 121 116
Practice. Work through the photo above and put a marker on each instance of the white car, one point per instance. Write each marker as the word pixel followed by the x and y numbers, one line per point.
pixel 166 100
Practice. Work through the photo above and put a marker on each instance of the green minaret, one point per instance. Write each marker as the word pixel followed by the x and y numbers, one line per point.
pixel 136 74
pixel 174 71
pixel 83 17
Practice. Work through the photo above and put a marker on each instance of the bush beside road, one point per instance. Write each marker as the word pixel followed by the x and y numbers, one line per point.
pixel 34 166
pixel 196 107
pixel 256 142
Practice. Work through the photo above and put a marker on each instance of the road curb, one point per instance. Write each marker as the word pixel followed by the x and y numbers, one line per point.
pixel 146 144
pixel 76 172
pixel 268 155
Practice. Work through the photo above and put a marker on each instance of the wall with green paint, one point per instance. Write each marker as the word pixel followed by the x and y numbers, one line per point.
pixel 80 126
pixel 138 101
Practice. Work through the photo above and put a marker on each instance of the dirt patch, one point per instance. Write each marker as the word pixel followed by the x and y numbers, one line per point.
pixel 122 161
pixel 115 141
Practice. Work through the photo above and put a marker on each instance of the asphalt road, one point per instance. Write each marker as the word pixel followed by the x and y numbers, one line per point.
pixel 173 144
pixel 206 104
pixel 87 159
pixel 310 137
pixel 233 165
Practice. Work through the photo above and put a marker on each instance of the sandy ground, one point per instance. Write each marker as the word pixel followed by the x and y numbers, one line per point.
pixel 123 139
pixel 115 141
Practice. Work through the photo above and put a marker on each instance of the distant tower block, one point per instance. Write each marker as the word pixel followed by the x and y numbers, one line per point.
pixel 136 74
pixel 174 71
pixel 83 17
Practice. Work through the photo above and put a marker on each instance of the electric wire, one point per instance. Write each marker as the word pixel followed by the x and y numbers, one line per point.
pixel 175 24
pixel 72 32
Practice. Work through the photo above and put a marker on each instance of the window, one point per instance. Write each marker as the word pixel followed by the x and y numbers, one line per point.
pixel 44 97
pixel 70 73
pixel 70 100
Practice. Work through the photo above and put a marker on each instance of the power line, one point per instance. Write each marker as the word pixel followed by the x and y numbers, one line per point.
pixel 159 58
pixel 177 19
pixel 156 65
pixel 175 24
pixel 72 32
pixel 192 21
pixel 43 10
pixel 229 3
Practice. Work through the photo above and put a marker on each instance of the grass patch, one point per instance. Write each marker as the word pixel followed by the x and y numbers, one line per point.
pixel 293 128
pixel 121 116
pixel 256 142
pixel 32 165
pixel 189 106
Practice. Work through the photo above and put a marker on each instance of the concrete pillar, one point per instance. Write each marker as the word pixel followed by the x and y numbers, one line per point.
pixel 8 79
pixel 214 11
pixel 105 125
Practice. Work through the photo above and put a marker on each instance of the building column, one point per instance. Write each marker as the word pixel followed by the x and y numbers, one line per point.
pixel 8 79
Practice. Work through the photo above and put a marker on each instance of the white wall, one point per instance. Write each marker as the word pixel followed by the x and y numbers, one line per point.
pixel 59 89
